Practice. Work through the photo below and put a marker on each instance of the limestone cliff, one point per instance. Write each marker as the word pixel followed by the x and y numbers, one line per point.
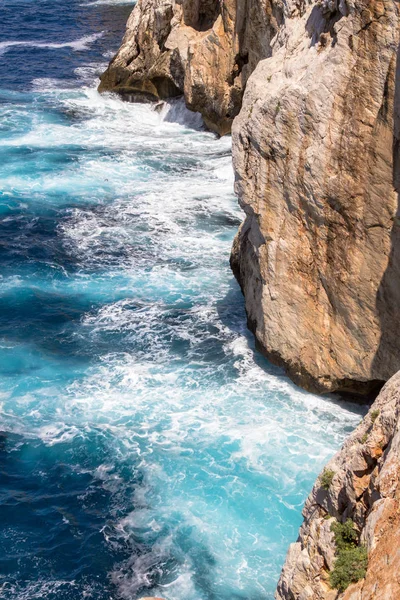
pixel 204 49
pixel 316 155
pixel 364 485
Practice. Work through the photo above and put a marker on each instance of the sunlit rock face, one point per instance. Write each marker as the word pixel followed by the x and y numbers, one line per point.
pixel 317 167
pixel 204 49
pixel 365 488
pixel 316 158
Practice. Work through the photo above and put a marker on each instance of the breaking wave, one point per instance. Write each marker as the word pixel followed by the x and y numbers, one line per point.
pixel 81 44
pixel 147 449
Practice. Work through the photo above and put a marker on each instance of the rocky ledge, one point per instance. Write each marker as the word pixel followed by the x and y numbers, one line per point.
pixel 202 49
pixel 359 488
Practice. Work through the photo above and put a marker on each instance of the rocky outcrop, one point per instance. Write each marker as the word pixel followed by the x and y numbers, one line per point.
pixel 363 485
pixel 317 163
pixel 316 155
pixel 204 49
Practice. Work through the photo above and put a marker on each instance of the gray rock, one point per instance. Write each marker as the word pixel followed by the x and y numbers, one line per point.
pixel 371 499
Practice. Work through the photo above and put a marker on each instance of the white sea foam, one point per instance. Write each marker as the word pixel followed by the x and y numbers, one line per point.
pixel 174 416
pixel 175 111
pixel 49 84
pixel 225 445
pixel 81 44
pixel 90 72
pixel 110 3
pixel 35 589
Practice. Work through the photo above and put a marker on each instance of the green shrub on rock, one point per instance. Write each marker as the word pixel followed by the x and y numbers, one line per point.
pixel 350 567
pixel 345 534
pixel 327 478
pixel 352 559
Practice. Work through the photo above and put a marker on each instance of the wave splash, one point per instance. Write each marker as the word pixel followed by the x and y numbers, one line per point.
pixel 166 457
pixel 79 45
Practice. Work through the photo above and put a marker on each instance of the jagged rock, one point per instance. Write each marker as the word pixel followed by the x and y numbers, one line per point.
pixel 316 155
pixel 365 488
pixel 204 49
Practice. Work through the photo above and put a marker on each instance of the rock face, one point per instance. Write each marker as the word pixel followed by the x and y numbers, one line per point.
pixel 366 488
pixel 316 155
pixel 204 49
pixel 316 150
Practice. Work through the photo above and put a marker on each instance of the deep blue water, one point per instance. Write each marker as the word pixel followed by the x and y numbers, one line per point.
pixel 145 448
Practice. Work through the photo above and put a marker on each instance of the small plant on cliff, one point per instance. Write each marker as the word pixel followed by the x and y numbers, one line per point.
pixel 351 562
pixel 364 438
pixel 374 415
pixel 345 534
pixel 350 567
pixel 327 478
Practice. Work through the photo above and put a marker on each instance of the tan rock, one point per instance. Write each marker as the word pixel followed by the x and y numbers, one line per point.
pixel 375 509
pixel 316 157
pixel 360 484
pixel 317 168
pixel 204 49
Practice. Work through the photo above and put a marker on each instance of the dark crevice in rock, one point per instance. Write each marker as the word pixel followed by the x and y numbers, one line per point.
pixel 166 30
pixel 240 62
pixel 321 24
pixel 202 15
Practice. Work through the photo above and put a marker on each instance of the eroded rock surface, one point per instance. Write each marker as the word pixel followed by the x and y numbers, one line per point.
pixel 365 488
pixel 204 49
pixel 316 155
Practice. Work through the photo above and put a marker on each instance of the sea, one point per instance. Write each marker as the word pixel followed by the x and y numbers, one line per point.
pixel 146 447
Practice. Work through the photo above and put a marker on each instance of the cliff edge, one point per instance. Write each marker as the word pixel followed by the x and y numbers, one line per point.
pixel 360 490
pixel 316 156
pixel 312 88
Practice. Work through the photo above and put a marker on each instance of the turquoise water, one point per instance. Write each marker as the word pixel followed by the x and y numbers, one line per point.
pixel 145 448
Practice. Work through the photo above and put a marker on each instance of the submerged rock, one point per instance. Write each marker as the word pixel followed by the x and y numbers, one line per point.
pixel 365 487
pixel 203 49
